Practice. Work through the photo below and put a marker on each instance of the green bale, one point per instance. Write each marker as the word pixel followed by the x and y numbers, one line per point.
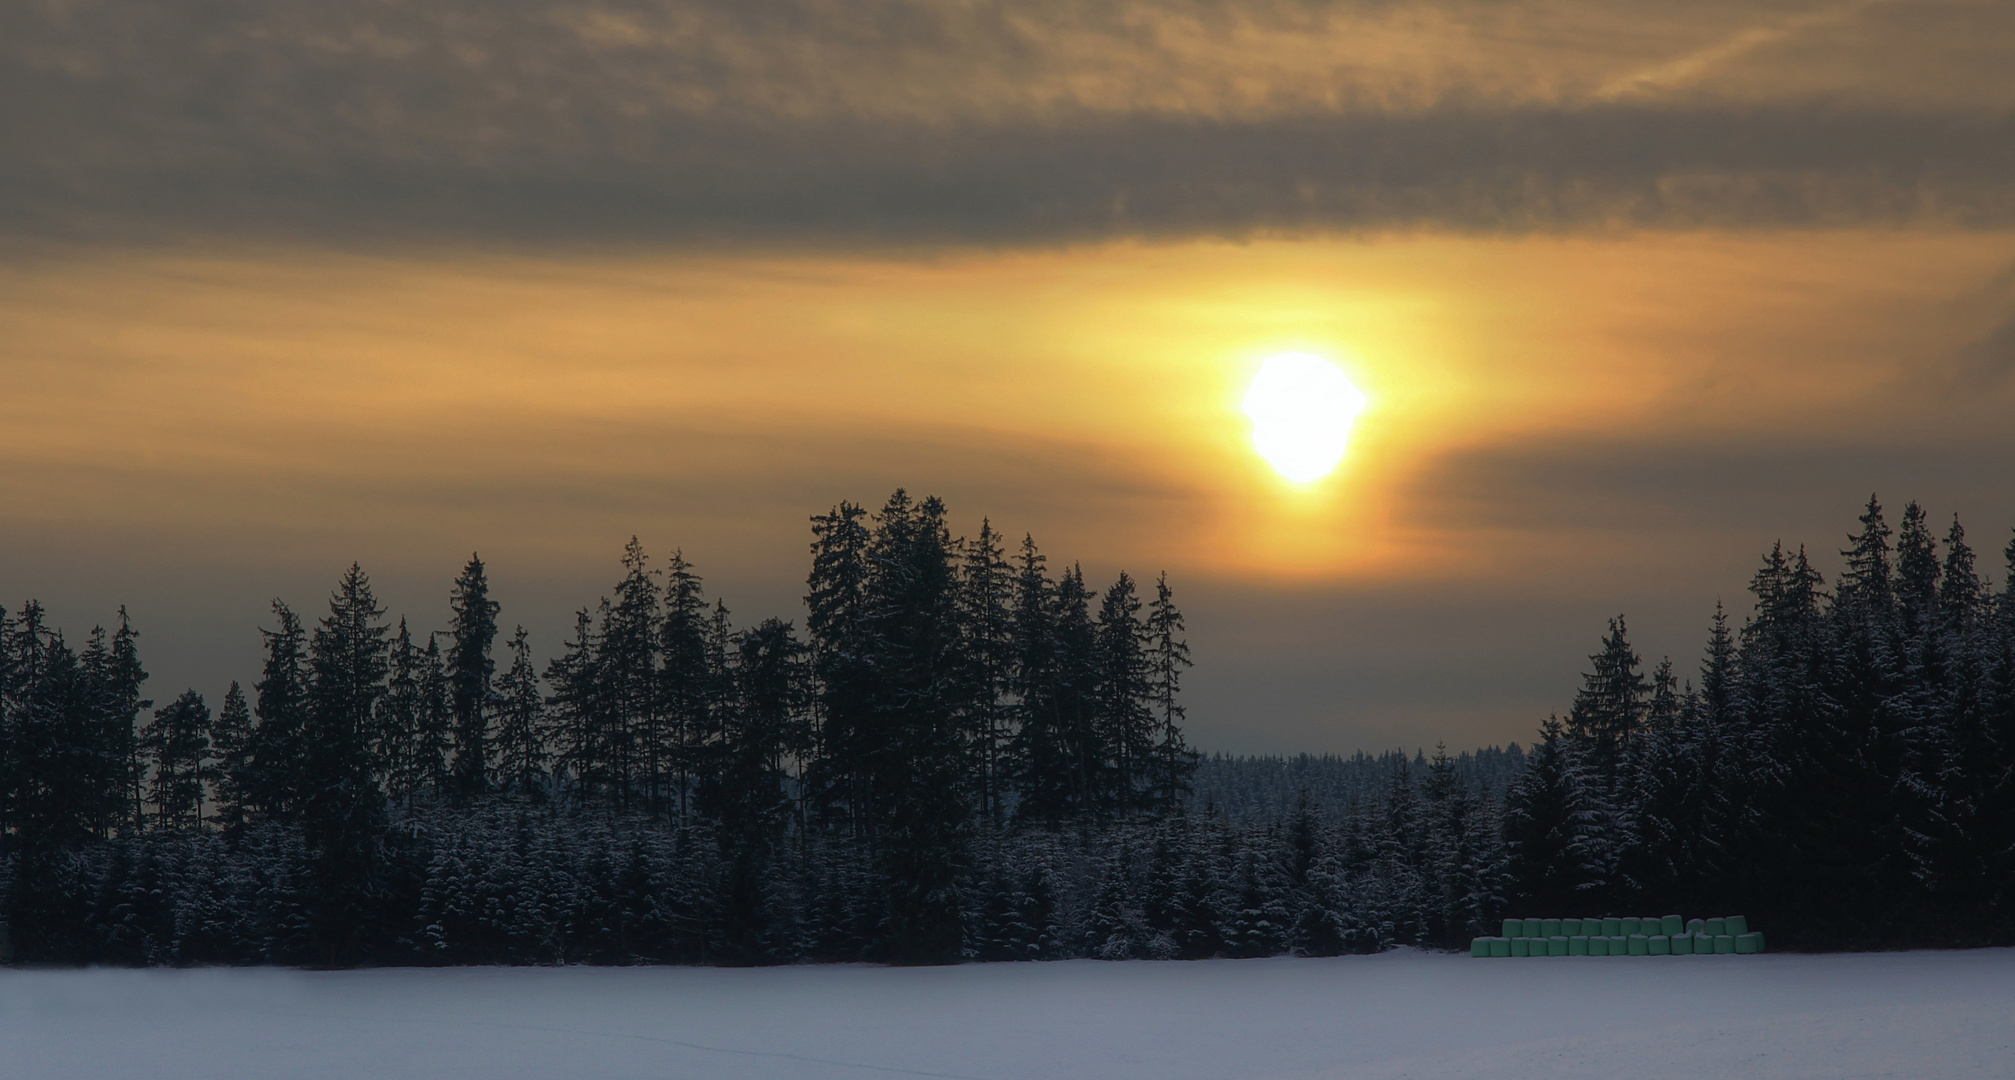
pixel 1514 928
pixel 1521 946
pixel 1670 925
pixel 1737 924
pixel 1571 927
pixel 1746 944
pixel 1703 944
pixel 1716 927
pixel 1659 945
pixel 1479 948
pixel 1556 945
pixel 1640 945
pixel 1577 945
pixel 1632 926
pixel 1500 946
pixel 1612 927
pixel 1598 946
pixel 1758 935
pixel 1550 927
pixel 1682 945
pixel 1724 944
pixel 1534 926
pixel 1696 926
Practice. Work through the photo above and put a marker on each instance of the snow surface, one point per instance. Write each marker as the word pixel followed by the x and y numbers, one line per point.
pixel 1948 1015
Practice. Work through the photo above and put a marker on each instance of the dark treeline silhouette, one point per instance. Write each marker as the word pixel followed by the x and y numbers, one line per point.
pixel 965 754
pixel 1843 770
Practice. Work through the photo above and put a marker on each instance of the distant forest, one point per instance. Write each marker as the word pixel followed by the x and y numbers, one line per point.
pixel 965 754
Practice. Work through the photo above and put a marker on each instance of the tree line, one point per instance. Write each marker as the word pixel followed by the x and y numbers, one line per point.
pixel 1842 770
pixel 963 754
pixel 939 685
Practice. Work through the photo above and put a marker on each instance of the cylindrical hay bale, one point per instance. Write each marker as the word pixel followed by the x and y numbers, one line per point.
pixel 1522 946
pixel 1556 946
pixel 1716 927
pixel 1549 927
pixel 1670 925
pixel 1612 927
pixel 1745 943
pixel 1571 927
pixel 1534 926
pixel 1737 924
pixel 1682 944
pixel 1577 945
pixel 1500 946
pixel 1479 947
pixel 1598 946
pixel 1659 945
pixel 1514 928
pixel 1640 945
pixel 1724 943
pixel 1632 926
pixel 1696 926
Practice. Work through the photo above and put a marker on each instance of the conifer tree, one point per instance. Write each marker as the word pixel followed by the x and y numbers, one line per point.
pixel 470 669
pixel 231 744
pixel 277 772
pixel 342 806
pixel 1172 762
pixel 433 722
pixel 521 723
pixel 177 744
pixel 986 592
pixel 1124 722
pixel 686 680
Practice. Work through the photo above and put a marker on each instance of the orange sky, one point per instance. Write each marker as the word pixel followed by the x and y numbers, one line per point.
pixel 1634 290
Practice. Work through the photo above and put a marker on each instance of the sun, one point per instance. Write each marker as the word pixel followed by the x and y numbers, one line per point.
pixel 1301 408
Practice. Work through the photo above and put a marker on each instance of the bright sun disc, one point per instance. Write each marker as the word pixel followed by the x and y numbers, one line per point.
pixel 1301 408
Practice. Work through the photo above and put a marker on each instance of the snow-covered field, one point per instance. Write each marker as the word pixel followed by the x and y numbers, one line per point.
pixel 1404 1014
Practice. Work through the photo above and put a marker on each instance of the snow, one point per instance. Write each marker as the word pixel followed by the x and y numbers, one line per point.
pixel 1402 1014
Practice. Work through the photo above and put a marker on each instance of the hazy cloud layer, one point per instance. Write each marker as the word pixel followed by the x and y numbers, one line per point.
pixel 905 121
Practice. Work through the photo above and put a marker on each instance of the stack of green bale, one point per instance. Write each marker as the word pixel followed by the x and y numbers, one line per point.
pixel 1621 936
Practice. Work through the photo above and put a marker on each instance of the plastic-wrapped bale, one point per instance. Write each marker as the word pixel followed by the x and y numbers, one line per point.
pixel 1659 945
pixel 1479 948
pixel 1696 926
pixel 1671 924
pixel 1598 946
pixel 1549 928
pixel 1500 946
pixel 1703 944
pixel 1682 945
pixel 1577 945
pixel 1716 927
pixel 1749 943
pixel 1556 946
pixel 1534 926
pixel 1612 927
pixel 1619 945
pixel 1571 927
pixel 1736 924
pixel 1630 926
pixel 1521 946
pixel 1640 945
pixel 1723 944
pixel 1514 928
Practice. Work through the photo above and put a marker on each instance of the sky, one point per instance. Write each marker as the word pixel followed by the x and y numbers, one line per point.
pixel 1633 290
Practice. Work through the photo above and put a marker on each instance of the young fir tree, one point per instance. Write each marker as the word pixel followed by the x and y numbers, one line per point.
pixel 177 745
pixel 470 669
pixel 521 723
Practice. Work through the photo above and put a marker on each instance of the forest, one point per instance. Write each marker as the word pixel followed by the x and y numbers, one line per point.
pixel 964 754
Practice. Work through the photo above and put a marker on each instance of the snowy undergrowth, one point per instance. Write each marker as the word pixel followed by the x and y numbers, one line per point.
pixel 1400 1014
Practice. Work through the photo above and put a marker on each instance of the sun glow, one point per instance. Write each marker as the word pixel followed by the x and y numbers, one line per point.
pixel 1302 407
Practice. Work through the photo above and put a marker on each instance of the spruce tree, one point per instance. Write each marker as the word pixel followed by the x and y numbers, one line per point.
pixel 342 806
pixel 1123 719
pixel 1172 762
pixel 470 669
pixel 277 765
pixel 177 744
pixel 521 723
pixel 231 743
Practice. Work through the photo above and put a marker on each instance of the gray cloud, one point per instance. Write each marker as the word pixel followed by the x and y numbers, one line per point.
pixel 905 123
